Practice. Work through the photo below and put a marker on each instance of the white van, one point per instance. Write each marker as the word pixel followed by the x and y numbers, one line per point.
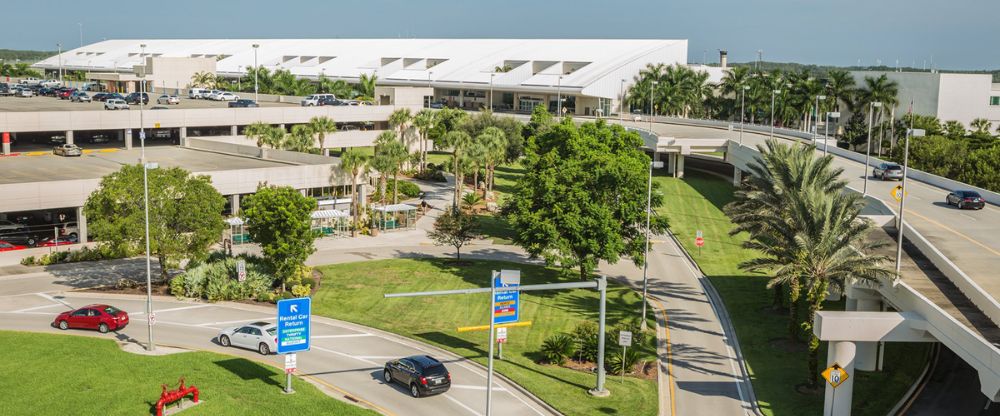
pixel 196 93
pixel 313 100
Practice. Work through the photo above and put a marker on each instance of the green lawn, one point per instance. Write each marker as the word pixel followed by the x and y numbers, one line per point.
pixel 353 292
pixel 495 227
pixel 695 203
pixel 73 375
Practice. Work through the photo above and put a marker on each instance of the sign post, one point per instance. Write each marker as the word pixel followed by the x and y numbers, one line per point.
pixel 624 339
pixel 241 270
pixel 501 339
pixel 294 327
pixel 835 375
pixel 503 310
pixel 699 241
pixel 898 193
pixel 290 361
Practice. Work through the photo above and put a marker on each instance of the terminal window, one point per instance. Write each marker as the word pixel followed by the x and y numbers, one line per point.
pixel 994 100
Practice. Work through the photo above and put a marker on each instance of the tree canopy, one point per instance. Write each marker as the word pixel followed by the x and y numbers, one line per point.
pixel 278 218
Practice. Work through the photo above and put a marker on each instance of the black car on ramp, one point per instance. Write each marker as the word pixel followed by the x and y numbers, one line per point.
pixel 422 375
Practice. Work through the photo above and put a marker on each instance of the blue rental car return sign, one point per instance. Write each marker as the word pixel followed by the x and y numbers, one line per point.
pixel 294 325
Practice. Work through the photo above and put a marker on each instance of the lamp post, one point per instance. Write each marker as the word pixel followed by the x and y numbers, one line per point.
pixel 621 101
pixel 559 98
pixel 743 101
pixel 815 125
pixel 826 130
pixel 81 33
pixel 256 70
pixel 651 91
pixel 773 93
pixel 645 263
pixel 492 74
pixel 911 132
pixel 145 197
pixel 868 143
pixel 59 46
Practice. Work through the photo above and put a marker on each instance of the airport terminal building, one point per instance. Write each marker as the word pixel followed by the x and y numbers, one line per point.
pixel 588 75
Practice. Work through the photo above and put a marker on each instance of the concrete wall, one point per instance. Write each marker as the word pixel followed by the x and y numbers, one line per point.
pixel 963 97
pixel 349 138
pixel 164 72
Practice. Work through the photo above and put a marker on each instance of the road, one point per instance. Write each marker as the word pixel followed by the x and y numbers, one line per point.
pixel 970 239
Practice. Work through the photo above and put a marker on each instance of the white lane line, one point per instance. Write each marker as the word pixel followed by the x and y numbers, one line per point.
pixel 203 326
pixel 343 336
pixel 171 309
pixel 29 313
pixel 376 357
pixel 36 308
pixel 480 388
pixel 345 355
pixel 969 217
pixel 471 410
pixel 238 321
pixel 52 299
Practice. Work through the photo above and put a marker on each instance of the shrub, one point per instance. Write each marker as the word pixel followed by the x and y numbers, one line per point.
pixel 215 280
pixel 585 337
pixel 557 348
pixel 619 364
pixel 407 190
pixel 300 291
pixel 28 261
pixel 433 175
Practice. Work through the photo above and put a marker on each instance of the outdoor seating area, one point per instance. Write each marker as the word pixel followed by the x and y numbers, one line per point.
pixel 395 217
pixel 331 222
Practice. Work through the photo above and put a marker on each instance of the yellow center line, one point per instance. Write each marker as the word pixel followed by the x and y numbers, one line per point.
pixel 956 232
pixel 670 361
pixel 355 397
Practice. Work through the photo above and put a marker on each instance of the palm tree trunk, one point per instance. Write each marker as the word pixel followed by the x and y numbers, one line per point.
pixel 354 205
pixel 475 180
pixel 395 187
pixel 778 300
pixel 816 298
pixel 794 303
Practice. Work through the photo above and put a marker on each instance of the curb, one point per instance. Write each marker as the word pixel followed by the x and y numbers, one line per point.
pixel 716 301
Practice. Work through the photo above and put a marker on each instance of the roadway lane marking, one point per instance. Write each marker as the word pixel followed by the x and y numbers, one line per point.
pixel 670 361
pixel 52 299
pixel 346 355
pixel 343 336
pixel 173 309
pixel 375 357
pixel 480 388
pixel 454 400
pixel 35 308
pixel 238 321
pixel 953 231
pixel 969 217
pixel 345 393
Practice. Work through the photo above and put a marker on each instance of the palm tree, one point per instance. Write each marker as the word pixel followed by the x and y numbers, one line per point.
pixel 476 156
pixel 778 174
pixel 840 87
pixel 274 137
pixel 321 126
pixel 981 125
pixel 257 131
pixel 355 162
pixel 203 79
pixel 401 119
pixel 883 90
pixel 457 141
pixel 383 161
pixel 732 84
pixel 423 121
pixel 366 86
pixel 300 140
pixel 494 143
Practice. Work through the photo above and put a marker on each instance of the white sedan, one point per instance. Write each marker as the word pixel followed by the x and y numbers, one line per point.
pixel 260 336
pixel 225 96
pixel 168 99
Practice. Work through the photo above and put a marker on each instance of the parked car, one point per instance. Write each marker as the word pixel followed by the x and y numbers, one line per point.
pixel 30 81
pixel 115 104
pixel 422 374
pixel 243 103
pixel 104 96
pixel 133 98
pixel 103 318
pixel 6 246
pixel 966 199
pixel 208 94
pixel 7 226
pixel 196 93
pixel 24 238
pixel 80 97
pixel 47 92
pixel 62 241
pixel 50 83
pixel 168 99
pixel 330 101
pixel 65 93
pixel 225 96
pixel 886 171
pixel 24 92
pixel 313 100
pixel 67 150
pixel 260 336
pixel 99 138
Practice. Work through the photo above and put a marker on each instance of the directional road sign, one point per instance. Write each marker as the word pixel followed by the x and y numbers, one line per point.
pixel 625 338
pixel 835 375
pixel 294 325
pixel 505 304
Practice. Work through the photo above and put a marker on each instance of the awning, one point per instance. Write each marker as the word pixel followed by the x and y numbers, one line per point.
pixel 396 208
pixel 234 221
pixel 329 213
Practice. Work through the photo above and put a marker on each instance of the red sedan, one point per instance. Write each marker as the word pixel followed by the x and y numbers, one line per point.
pixel 5 246
pixel 103 318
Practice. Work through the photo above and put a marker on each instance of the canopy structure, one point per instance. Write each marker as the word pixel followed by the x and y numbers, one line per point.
pixel 237 231
pixel 395 216
pixel 330 222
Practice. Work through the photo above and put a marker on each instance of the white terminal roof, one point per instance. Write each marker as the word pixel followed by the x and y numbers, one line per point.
pixel 592 67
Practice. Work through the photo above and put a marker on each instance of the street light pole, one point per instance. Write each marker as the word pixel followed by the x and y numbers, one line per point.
pixel 773 93
pixel 815 128
pixel 145 197
pixel 645 263
pixel 910 133
pixel 491 91
pixel 256 70
pixel 868 144
pixel 621 101
pixel 59 46
pixel 559 98
pixel 81 33
pixel 651 91
pixel 743 99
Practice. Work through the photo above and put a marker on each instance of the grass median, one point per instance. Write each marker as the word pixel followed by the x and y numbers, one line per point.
pixel 48 374
pixel 776 366
pixel 353 292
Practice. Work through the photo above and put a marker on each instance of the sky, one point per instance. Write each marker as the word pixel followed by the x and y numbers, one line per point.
pixel 955 34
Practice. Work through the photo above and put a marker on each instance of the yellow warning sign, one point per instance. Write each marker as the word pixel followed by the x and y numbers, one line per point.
pixel 835 375
pixel 157 125
pixel 897 193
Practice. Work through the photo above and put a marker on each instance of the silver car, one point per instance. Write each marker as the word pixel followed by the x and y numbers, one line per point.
pixel 67 150
pixel 168 99
pixel 887 171
pixel 260 336
pixel 115 104
pixel 79 97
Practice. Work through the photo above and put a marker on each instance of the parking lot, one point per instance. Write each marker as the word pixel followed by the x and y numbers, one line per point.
pixel 39 103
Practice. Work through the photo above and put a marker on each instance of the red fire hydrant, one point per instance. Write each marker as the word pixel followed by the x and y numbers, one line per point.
pixel 167 397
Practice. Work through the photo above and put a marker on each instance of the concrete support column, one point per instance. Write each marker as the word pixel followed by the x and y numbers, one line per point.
pixel 737 177
pixel 838 401
pixel 69 136
pixel 680 166
pixel 127 137
pixel 6 143
pixel 183 136
pixel 81 225
pixel 461 98
pixel 282 127
pixel 656 156
pixel 234 130
pixel 234 204
pixel 362 195
pixel 866 353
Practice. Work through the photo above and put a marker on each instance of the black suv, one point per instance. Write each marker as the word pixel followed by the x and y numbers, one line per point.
pixel 422 374
pixel 133 98
pixel 243 104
